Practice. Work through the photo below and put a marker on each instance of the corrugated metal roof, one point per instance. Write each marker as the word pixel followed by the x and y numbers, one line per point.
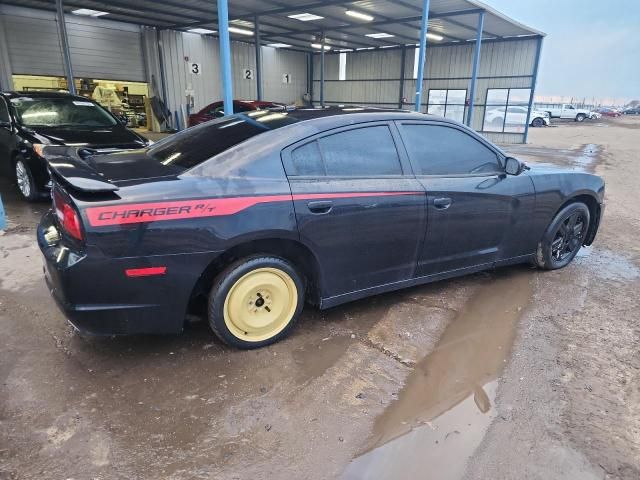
pixel 453 20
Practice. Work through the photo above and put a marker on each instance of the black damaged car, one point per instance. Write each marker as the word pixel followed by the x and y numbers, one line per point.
pixel 257 213
pixel 30 121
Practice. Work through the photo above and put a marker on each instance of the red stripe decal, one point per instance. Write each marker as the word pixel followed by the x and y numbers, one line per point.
pixel 145 272
pixel 208 207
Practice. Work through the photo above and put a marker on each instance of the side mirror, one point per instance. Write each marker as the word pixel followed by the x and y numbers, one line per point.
pixel 513 166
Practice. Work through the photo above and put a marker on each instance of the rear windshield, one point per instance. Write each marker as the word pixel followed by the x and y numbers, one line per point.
pixel 60 112
pixel 194 145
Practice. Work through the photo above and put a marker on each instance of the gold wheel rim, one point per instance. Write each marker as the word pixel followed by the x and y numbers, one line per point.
pixel 260 304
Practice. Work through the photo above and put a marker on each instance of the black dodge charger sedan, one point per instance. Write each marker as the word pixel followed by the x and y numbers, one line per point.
pixel 30 121
pixel 256 213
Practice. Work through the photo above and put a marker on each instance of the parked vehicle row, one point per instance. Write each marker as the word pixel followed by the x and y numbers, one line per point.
pixel 609 112
pixel 254 214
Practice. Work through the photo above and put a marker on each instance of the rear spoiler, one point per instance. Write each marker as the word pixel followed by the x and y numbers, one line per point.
pixel 67 165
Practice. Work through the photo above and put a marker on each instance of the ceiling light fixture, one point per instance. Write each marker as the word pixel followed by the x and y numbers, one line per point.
pixel 240 31
pixel 201 31
pixel 305 17
pixel 279 45
pixel 359 15
pixel 319 46
pixel 88 12
pixel 379 35
pixel 434 36
pixel 242 23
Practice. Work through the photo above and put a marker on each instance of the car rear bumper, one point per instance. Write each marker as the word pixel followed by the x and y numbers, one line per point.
pixel 98 298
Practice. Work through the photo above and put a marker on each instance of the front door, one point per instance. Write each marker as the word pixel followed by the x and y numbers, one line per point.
pixel 358 207
pixel 568 111
pixel 476 214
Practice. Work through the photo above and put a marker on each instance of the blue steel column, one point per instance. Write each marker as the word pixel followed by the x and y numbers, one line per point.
pixel 423 53
pixel 476 66
pixel 256 23
pixel 322 71
pixel 225 56
pixel 64 44
pixel 534 80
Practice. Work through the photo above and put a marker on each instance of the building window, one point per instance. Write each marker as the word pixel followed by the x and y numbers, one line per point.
pixel 447 103
pixel 342 66
pixel 506 110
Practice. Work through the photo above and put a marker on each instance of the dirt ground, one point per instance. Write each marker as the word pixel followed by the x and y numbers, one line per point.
pixel 513 373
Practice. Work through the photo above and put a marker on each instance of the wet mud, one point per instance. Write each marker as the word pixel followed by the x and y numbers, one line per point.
pixel 446 404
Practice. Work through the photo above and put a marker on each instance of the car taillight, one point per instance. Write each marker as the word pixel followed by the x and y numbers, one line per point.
pixel 67 215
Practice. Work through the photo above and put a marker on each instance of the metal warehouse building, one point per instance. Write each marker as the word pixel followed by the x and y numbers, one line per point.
pixel 480 66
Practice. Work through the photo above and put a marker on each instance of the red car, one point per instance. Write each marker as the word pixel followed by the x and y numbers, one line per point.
pixel 216 109
pixel 609 112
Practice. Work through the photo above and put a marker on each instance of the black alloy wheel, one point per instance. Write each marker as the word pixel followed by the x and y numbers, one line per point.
pixel 564 237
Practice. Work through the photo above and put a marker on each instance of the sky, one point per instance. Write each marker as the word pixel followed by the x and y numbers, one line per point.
pixel 592 47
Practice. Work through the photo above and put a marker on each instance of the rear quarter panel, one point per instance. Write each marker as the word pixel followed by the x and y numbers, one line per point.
pixel 205 223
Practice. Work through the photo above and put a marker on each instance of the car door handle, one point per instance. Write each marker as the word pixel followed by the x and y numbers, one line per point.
pixel 321 207
pixel 442 203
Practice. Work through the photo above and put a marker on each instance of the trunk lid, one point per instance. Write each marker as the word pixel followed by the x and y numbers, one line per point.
pixel 88 171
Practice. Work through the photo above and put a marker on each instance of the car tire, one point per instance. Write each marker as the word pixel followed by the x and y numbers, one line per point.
pixel 24 180
pixel 256 301
pixel 537 122
pixel 580 117
pixel 560 243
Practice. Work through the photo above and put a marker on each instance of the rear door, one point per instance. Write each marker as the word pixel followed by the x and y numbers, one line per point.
pixel 358 206
pixel 477 214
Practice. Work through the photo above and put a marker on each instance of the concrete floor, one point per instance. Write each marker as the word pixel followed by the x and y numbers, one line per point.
pixel 513 373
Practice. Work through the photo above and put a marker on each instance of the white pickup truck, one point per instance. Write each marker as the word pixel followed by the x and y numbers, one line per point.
pixel 564 110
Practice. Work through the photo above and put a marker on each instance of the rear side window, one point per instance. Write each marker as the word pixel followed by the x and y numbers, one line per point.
pixel 307 160
pixel 367 151
pixel 441 150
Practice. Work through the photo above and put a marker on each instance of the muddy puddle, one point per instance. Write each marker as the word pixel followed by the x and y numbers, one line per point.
pixel 582 159
pixel 315 358
pixel 447 404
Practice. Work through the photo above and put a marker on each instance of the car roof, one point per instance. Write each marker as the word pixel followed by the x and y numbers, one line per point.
pixel 42 94
pixel 374 113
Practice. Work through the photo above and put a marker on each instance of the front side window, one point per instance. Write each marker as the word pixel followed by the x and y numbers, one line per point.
pixel 442 150
pixel 61 112
pixel 360 152
pixel 501 114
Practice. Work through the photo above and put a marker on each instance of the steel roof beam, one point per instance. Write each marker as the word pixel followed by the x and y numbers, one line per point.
pixel 125 18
